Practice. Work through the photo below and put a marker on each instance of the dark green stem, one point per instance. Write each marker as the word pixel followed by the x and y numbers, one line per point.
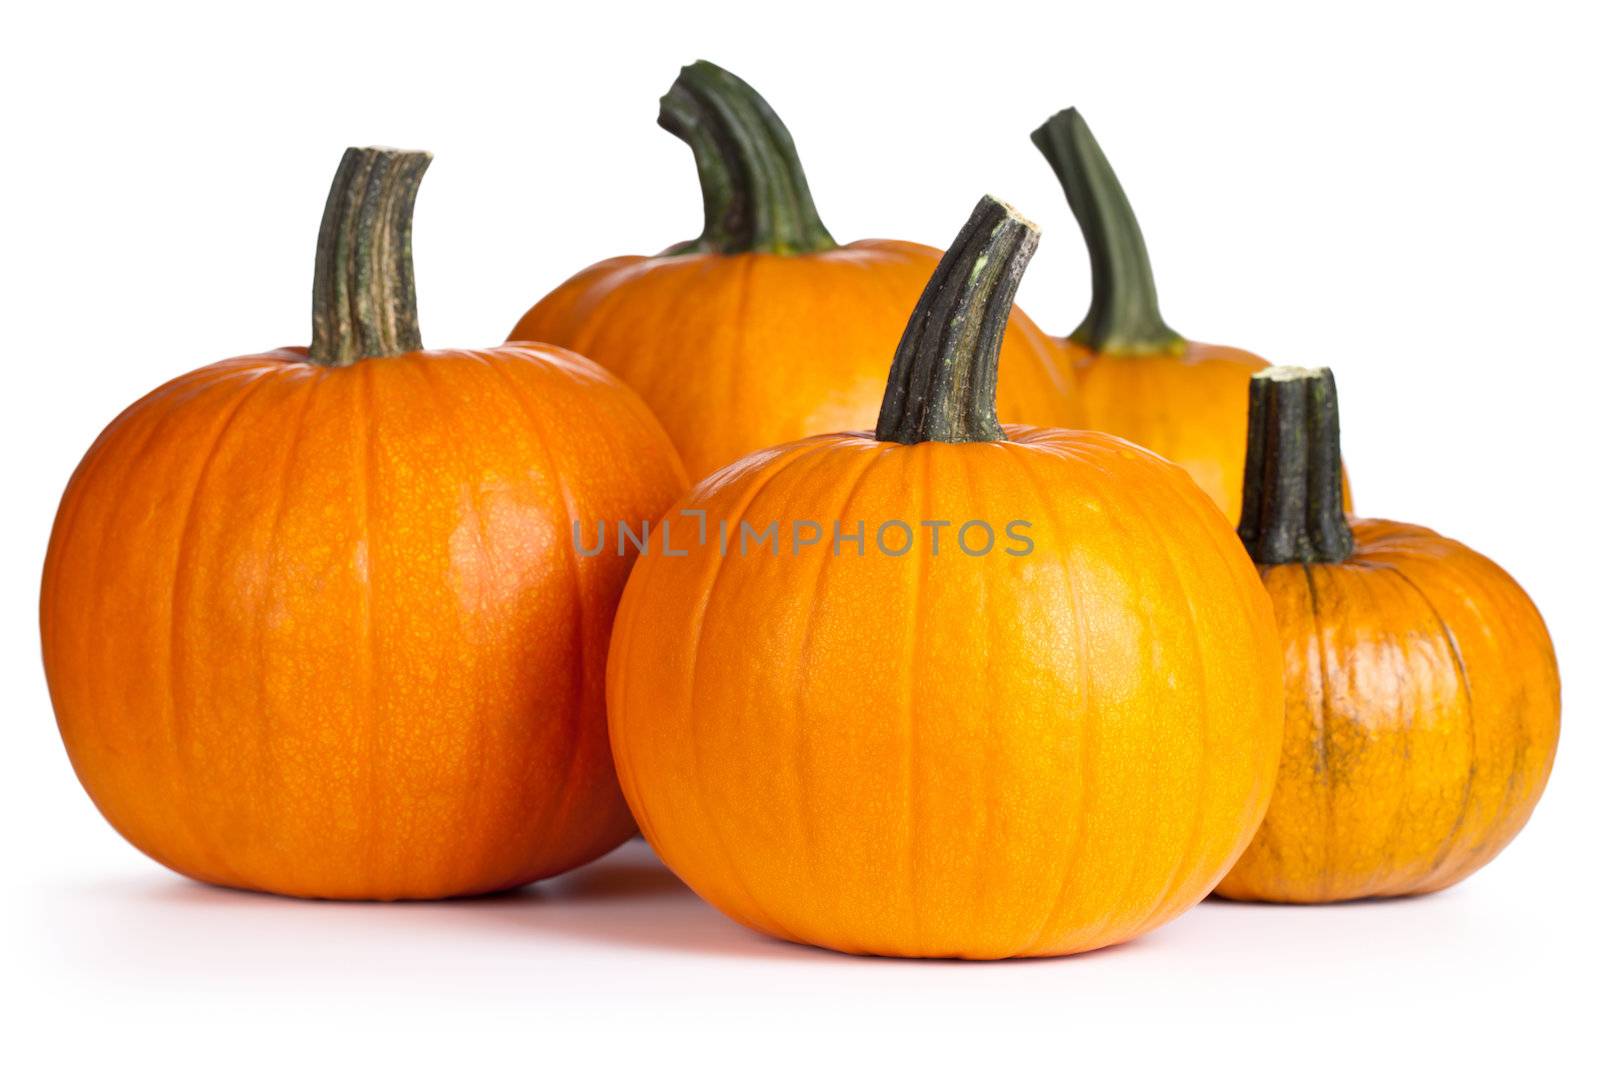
pixel 942 382
pixel 756 197
pixel 1293 482
pixel 364 297
pixel 1124 318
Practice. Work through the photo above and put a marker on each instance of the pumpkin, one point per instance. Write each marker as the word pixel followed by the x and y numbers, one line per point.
pixel 313 621
pixel 1137 378
pixel 1422 697
pixel 977 691
pixel 763 329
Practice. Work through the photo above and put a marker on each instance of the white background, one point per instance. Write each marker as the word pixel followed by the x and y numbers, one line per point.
pixel 1405 193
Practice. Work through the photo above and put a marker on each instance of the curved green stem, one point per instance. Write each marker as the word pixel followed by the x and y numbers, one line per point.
pixel 364 296
pixel 1293 481
pixel 1124 317
pixel 942 383
pixel 756 196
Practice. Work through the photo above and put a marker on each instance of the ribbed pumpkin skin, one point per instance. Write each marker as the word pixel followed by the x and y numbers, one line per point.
pixel 950 756
pixel 322 631
pixel 1423 709
pixel 1190 409
pixel 736 353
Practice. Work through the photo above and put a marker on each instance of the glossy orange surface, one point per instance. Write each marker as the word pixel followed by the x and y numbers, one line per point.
pixel 739 352
pixel 962 755
pixel 1423 709
pixel 323 631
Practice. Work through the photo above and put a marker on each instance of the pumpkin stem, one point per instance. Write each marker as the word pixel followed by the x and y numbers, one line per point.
pixel 756 196
pixel 1124 317
pixel 1293 481
pixel 942 382
pixel 364 296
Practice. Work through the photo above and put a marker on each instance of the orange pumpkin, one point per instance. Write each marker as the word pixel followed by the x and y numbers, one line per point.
pixel 763 330
pixel 314 622
pixel 977 693
pixel 1137 378
pixel 1423 700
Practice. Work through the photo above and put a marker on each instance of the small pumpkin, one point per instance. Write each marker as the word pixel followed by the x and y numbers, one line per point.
pixel 980 691
pixel 313 621
pixel 1137 377
pixel 1423 699
pixel 763 329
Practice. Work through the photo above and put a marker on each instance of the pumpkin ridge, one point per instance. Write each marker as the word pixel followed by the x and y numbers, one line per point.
pixel 1246 585
pixel 562 798
pixel 558 315
pixel 1324 754
pixel 437 389
pixel 364 462
pixel 535 369
pixel 578 331
pixel 982 609
pixel 1181 870
pixel 693 673
pixel 183 577
pixel 741 320
pixel 1520 751
pixel 575 327
pixel 1130 877
pixel 1398 662
pixel 669 280
pixel 593 328
pixel 1180 576
pixel 197 382
pixel 885 283
pixel 1410 543
pixel 918 482
pixel 1454 646
pixel 874 456
pixel 1523 729
pixel 1086 711
pixel 823 445
pixel 1525 734
pixel 66 530
pixel 1135 502
pixel 1129 874
pixel 1473 599
pixel 274 544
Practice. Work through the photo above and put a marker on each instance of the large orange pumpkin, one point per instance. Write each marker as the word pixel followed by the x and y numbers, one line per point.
pixel 1423 701
pixel 314 622
pixel 764 330
pixel 1137 378
pixel 976 692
